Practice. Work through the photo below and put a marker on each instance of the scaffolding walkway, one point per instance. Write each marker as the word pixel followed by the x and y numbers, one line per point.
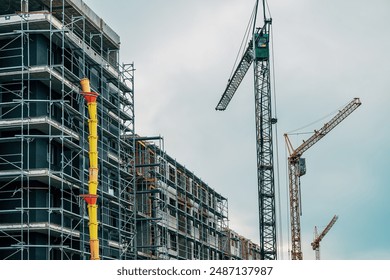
pixel 45 48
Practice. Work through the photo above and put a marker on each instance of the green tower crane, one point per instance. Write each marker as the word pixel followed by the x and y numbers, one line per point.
pixel 258 53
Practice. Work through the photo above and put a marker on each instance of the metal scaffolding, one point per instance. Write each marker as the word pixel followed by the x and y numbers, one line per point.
pixel 178 215
pixel 46 46
pixel 238 247
pixel 149 205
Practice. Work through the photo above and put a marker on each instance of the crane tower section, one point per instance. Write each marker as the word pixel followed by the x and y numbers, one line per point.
pixel 264 144
pixel 318 237
pixel 297 168
pixel 257 53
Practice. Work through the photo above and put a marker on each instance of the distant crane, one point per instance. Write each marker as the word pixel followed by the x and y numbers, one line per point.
pixel 257 52
pixel 297 168
pixel 318 237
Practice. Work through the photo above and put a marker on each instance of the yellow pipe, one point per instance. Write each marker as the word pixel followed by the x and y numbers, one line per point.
pixel 92 111
pixel 93 224
pixel 91 198
pixel 93 181
pixel 85 87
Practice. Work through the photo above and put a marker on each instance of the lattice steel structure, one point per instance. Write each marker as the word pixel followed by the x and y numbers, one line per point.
pixel 297 168
pixel 257 53
pixel 264 146
pixel 46 46
pixel 178 215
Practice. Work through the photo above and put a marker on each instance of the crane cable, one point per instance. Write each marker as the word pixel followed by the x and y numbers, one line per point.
pixel 265 3
pixel 244 42
pixel 278 188
pixel 294 132
pixel 288 204
pixel 255 11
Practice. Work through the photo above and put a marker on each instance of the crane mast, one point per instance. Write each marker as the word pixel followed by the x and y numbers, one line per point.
pixel 318 237
pixel 297 168
pixel 264 146
pixel 257 53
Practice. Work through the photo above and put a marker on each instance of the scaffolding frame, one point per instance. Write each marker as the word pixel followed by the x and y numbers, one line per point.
pixel 178 215
pixel 150 206
pixel 45 48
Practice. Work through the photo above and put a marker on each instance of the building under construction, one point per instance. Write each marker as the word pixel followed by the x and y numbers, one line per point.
pixel 149 206
pixel 178 215
pixel 240 248
pixel 46 47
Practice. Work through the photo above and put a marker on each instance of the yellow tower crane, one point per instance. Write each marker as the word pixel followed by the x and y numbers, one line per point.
pixel 297 168
pixel 91 197
pixel 318 237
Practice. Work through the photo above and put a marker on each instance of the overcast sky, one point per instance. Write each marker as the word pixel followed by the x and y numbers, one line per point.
pixel 325 54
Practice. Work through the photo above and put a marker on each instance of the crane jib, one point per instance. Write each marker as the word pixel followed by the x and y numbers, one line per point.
pixel 235 81
pixel 294 173
pixel 318 134
pixel 261 53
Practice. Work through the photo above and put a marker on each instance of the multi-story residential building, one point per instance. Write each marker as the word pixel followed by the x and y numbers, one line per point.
pixel 240 248
pixel 178 215
pixel 46 47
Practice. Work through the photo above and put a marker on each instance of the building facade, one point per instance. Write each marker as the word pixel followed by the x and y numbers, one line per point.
pixel 239 247
pixel 46 47
pixel 178 215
